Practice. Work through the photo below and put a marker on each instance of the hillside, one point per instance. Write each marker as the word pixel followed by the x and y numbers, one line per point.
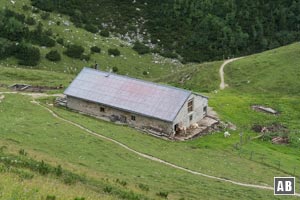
pixel 64 35
pixel 275 71
pixel 254 161
pixel 209 30
pixel 77 157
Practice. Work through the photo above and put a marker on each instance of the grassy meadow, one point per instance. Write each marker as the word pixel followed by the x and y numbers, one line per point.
pixel 272 72
pixel 44 138
pixel 109 171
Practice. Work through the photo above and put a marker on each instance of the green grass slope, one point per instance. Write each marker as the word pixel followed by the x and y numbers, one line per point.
pixel 35 130
pixel 272 72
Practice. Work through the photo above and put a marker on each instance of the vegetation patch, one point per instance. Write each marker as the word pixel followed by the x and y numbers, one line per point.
pixel 53 55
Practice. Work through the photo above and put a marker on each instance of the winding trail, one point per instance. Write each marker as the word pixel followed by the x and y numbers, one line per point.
pixel 223 85
pixel 149 157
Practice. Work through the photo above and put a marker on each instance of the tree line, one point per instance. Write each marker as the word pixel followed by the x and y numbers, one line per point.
pixel 196 30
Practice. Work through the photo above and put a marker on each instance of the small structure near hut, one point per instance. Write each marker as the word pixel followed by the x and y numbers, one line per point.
pixel 158 109
pixel 30 88
pixel 264 109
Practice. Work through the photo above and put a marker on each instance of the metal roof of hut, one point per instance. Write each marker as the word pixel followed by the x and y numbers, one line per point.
pixel 128 94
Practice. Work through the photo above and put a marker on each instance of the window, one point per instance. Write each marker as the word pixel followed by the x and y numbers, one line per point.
pixel 191 117
pixel 102 109
pixel 132 117
pixel 190 105
pixel 205 109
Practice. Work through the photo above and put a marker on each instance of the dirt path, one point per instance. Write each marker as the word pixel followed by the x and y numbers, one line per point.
pixel 221 71
pixel 34 95
pixel 152 157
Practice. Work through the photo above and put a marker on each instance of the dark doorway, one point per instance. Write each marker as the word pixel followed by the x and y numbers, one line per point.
pixel 176 129
pixel 205 110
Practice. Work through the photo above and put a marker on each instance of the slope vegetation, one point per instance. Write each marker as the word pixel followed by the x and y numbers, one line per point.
pixel 271 72
pixel 209 30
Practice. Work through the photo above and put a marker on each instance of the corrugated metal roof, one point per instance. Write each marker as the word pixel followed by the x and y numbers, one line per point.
pixel 133 95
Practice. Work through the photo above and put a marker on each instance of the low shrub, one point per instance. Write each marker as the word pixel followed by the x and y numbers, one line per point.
pixel 74 51
pixel 107 189
pixel 49 32
pixel 121 182
pixel 162 194
pixel 85 57
pixel 60 41
pixel 79 198
pixel 115 69
pixel 70 179
pixel 91 28
pixel 114 52
pixel 95 49
pixel 43 168
pixel 28 55
pixel 169 54
pixel 143 187
pixel 7 48
pixel 140 48
pixel 30 21
pixel 53 55
pixel 22 152
pixel 104 33
pixel 58 170
pixel 50 197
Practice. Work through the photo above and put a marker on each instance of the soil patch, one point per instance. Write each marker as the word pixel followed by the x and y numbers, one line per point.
pixel 276 133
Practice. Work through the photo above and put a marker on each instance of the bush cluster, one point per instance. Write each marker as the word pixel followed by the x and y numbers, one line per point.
pixel 104 33
pixel 114 52
pixel 28 55
pixel 74 51
pixel 95 49
pixel 53 55
pixel 141 48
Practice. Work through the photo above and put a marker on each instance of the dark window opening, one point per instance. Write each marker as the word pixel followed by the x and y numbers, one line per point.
pixel 132 117
pixel 190 105
pixel 102 109
pixel 205 109
pixel 176 129
pixel 191 117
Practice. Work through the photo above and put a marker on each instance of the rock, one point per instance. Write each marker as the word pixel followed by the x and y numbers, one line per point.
pixel 231 126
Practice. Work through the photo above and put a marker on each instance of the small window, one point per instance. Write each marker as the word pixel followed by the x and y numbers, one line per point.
pixel 205 109
pixel 102 109
pixel 191 117
pixel 132 117
pixel 190 105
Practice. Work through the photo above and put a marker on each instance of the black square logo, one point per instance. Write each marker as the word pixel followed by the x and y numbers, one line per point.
pixel 284 185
